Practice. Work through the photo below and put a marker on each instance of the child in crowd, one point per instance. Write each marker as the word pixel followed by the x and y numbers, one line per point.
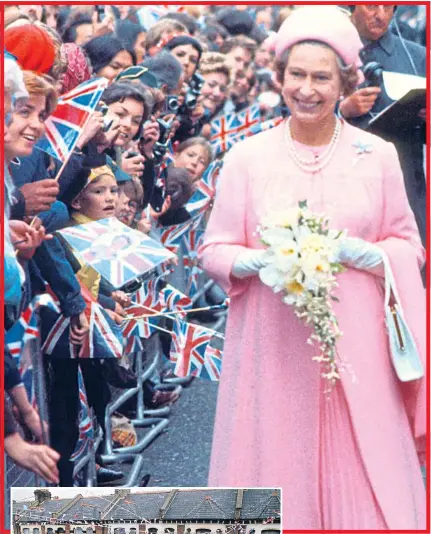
pixel 194 154
pixel 97 200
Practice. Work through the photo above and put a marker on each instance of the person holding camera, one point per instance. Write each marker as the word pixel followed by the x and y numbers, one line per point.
pixel 393 54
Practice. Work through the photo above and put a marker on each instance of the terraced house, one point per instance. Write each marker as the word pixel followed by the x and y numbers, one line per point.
pixel 170 511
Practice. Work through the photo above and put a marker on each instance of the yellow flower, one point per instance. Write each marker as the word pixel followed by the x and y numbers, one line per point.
pixel 294 287
pixel 287 251
pixel 314 243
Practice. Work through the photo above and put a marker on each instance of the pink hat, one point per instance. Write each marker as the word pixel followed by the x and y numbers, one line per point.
pixel 327 24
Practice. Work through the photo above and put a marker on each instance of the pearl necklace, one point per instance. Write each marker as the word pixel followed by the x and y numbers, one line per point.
pixel 318 162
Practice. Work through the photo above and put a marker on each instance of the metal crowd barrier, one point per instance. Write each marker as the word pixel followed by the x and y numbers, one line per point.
pixel 155 420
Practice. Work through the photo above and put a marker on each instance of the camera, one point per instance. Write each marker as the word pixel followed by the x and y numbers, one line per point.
pixel 107 123
pixel 172 104
pixel 161 146
pixel 196 83
pixel 194 90
pixel 373 74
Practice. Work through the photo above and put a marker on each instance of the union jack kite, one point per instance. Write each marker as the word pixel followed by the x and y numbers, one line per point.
pixel 114 250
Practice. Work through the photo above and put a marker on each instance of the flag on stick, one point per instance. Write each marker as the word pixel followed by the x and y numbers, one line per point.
pixel 73 111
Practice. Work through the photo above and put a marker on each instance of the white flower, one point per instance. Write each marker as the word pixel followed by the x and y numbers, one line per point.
pixel 272 277
pixel 275 237
pixel 286 257
pixel 287 219
pixel 302 260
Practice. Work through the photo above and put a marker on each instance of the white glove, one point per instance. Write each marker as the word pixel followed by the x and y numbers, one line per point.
pixel 249 262
pixel 357 253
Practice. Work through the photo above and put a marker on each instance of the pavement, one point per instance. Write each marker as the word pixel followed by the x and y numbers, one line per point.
pixel 180 455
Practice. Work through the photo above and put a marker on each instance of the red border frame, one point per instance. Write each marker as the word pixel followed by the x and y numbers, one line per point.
pixel 428 253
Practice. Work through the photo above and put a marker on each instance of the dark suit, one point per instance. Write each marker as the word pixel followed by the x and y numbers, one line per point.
pixel 390 53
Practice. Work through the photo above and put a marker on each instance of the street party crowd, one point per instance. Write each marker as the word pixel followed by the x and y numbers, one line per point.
pixel 117 122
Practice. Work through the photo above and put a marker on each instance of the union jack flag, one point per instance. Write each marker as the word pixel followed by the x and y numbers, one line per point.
pixel 189 344
pixel 86 430
pixel 265 125
pixel 104 339
pixel 133 344
pixel 211 369
pixel 172 236
pixel 233 127
pixel 206 190
pixel 25 329
pixel 114 250
pixel 145 302
pixel 74 109
pixel 191 243
pixel 172 299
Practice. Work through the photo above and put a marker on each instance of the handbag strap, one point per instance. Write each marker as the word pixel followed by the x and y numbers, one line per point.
pixel 390 285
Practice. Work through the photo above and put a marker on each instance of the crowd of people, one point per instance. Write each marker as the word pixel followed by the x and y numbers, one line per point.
pixel 142 155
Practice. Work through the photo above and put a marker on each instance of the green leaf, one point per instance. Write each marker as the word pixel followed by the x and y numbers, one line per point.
pixel 302 204
pixel 335 299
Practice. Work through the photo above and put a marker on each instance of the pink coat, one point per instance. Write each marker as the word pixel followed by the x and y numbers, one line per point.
pixel 274 427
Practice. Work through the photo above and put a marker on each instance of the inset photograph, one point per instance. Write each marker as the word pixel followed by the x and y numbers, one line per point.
pixel 152 511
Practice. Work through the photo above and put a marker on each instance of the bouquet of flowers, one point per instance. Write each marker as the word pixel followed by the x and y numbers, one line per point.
pixel 302 264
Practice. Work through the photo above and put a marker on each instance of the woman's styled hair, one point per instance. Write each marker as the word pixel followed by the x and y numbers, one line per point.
pixel 348 73
pixel 39 86
pixel 69 30
pixel 155 33
pixel 239 41
pixel 119 91
pixel 101 50
pixel 201 141
pixel 214 62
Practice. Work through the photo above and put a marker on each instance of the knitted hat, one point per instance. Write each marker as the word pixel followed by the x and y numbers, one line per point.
pixel 32 46
pixel 101 50
pixel 326 24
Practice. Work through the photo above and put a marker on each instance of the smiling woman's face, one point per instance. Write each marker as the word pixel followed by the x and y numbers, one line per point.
pixel 214 90
pixel 27 126
pixel 312 82
pixel 129 114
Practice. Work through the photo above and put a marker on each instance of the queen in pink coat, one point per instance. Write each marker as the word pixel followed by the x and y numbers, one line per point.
pixel 352 459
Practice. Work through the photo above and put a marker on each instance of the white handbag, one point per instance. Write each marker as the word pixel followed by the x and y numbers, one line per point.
pixel 404 352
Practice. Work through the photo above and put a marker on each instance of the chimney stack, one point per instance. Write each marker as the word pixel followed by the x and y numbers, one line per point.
pixel 41 495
